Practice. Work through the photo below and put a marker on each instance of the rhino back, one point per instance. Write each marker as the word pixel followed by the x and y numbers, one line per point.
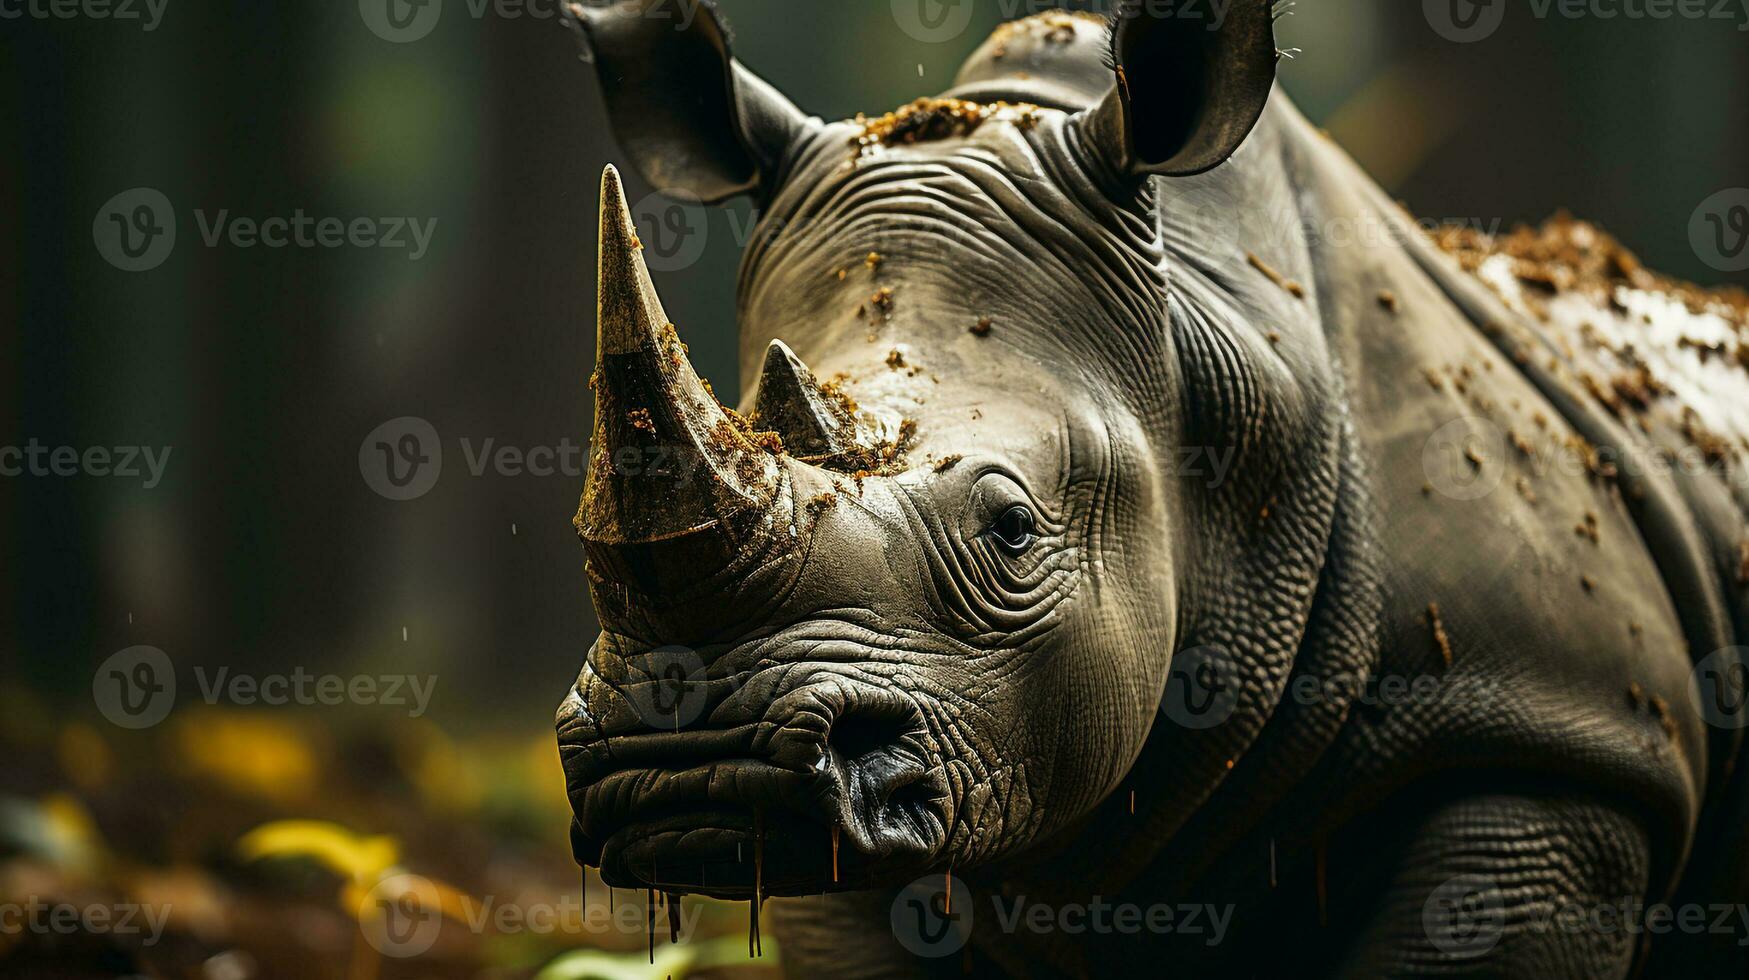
pixel 1556 606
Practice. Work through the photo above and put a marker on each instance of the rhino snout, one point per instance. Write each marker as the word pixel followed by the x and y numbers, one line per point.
pixel 836 785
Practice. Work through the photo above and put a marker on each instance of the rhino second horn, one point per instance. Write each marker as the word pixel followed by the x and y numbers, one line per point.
pixel 665 460
pixel 790 403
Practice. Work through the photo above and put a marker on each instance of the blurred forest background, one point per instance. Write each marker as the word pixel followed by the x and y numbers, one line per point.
pixel 264 549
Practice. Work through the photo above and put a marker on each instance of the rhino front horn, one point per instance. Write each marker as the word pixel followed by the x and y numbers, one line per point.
pixel 790 403
pixel 672 479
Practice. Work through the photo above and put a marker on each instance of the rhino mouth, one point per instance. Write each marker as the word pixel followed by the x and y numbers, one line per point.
pixel 825 798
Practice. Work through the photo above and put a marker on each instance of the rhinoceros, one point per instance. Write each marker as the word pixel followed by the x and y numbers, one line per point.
pixel 1143 548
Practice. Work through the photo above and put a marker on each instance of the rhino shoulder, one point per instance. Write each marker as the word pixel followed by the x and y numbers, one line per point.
pixel 1530 625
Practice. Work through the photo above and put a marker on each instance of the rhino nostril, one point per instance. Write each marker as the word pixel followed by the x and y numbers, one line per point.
pixel 861 734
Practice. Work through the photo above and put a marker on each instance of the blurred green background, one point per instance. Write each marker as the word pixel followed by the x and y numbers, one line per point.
pixel 264 548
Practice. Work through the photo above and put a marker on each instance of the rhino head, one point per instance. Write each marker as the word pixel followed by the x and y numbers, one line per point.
pixel 915 606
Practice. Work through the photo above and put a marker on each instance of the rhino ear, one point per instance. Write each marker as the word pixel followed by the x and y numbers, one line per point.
pixel 1192 81
pixel 691 118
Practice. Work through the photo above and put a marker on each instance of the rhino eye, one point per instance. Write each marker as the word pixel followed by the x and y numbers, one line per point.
pixel 1013 531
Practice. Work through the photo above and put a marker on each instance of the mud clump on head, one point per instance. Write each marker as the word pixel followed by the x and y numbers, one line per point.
pixel 866 446
pixel 983 326
pixel 930 120
pixel 882 301
pixel 923 121
pixel 885 457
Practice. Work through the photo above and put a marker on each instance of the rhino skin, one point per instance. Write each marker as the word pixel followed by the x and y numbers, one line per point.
pixel 1124 451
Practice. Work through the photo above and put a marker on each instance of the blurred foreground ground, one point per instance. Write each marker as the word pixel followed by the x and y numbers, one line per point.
pixel 230 844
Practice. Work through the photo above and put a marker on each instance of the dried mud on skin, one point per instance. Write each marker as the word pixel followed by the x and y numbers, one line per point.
pixel 1568 257
pixel 929 120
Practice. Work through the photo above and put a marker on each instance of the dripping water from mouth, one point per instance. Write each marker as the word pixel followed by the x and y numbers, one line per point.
pixel 834 852
pixel 650 920
pixel 754 946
